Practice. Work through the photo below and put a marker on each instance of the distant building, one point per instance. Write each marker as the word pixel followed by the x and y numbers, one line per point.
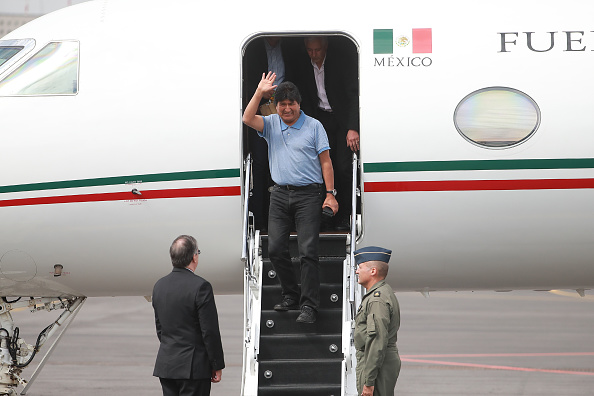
pixel 9 22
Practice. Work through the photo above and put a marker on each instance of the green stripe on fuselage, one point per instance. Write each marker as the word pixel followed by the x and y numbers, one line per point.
pixel 107 181
pixel 437 166
pixel 370 167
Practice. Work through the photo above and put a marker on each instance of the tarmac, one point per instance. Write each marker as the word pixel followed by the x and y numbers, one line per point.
pixel 451 343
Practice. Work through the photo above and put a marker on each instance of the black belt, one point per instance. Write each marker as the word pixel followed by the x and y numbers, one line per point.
pixel 288 187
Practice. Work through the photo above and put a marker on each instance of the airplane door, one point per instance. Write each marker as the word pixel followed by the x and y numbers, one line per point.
pixel 293 63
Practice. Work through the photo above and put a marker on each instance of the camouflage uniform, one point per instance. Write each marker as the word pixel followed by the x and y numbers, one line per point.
pixel 376 325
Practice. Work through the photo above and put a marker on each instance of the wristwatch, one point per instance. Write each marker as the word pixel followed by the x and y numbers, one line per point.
pixel 333 192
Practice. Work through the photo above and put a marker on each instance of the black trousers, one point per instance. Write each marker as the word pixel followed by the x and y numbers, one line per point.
pixel 305 208
pixel 185 387
pixel 342 162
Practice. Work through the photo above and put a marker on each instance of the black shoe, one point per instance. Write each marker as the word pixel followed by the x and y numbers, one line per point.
pixel 287 304
pixel 307 315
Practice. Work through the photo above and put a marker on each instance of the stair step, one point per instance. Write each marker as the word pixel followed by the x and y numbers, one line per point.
pixel 330 245
pixel 328 322
pixel 300 390
pixel 271 295
pixel 330 270
pixel 301 372
pixel 300 346
pixel 303 359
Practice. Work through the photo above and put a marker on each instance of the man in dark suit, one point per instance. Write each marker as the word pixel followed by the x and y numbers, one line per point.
pixel 330 89
pixel 190 356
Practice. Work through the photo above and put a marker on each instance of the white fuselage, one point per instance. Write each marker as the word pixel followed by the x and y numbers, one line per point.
pixel 159 109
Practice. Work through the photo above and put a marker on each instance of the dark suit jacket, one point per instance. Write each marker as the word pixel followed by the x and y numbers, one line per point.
pixel 187 327
pixel 255 63
pixel 341 83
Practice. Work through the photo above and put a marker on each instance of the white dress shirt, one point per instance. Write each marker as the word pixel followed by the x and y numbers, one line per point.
pixel 319 76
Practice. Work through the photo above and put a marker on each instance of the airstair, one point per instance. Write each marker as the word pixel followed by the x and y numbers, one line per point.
pixel 282 357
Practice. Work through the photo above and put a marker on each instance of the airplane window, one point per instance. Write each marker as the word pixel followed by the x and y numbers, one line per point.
pixel 8 52
pixel 497 117
pixel 52 71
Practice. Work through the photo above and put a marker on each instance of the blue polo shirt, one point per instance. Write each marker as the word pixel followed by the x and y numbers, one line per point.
pixel 293 150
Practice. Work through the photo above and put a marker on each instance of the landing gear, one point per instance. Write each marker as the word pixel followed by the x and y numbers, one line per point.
pixel 15 353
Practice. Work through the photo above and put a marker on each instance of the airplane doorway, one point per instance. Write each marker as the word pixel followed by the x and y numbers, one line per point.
pixel 288 56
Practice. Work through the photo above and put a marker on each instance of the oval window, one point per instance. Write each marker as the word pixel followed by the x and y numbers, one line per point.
pixel 497 117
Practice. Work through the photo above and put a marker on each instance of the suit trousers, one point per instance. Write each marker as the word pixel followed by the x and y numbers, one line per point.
pixel 185 387
pixel 305 208
pixel 342 162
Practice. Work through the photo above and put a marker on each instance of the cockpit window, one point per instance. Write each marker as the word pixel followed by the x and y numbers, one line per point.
pixel 8 52
pixel 52 71
pixel 12 51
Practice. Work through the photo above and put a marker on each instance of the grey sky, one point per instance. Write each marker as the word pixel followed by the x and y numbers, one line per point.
pixel 34 6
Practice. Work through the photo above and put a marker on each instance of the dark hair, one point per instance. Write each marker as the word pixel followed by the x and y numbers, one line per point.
pixel 287 90
pixel 182 251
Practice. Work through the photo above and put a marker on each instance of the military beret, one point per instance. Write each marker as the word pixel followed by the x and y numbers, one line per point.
pixel 372 253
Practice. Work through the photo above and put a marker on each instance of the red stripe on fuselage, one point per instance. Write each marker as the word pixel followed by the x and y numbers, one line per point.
pixel 479 185
pixel 127 196
pixel 400 186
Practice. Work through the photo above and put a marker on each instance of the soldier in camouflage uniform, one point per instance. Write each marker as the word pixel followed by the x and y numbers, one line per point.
pixel 376 325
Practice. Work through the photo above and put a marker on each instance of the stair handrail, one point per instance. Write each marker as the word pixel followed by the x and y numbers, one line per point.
pixel 249 254
pixel 246 190
pixel 353 228
pixel 350 290
pixel 251 318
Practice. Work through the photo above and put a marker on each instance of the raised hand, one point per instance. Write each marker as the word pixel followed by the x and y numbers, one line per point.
pixel 266 85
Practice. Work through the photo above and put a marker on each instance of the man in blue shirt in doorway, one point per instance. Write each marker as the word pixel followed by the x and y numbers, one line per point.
pixel 300 165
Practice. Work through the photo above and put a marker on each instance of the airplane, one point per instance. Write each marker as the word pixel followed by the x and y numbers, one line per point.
pixel 121 129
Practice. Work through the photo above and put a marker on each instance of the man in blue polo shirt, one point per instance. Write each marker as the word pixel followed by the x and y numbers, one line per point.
pixel 300 165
